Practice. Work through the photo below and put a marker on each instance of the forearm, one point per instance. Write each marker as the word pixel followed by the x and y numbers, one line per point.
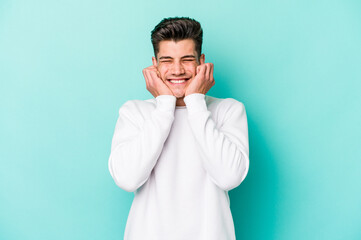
pixel 132 160
pixel 224 150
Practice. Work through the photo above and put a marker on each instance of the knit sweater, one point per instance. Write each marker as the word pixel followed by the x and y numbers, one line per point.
pixel 180 162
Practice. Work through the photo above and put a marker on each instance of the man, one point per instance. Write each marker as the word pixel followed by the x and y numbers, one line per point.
pixel 181 151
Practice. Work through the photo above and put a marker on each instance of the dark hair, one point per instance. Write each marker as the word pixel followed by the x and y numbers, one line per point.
pixel 177 28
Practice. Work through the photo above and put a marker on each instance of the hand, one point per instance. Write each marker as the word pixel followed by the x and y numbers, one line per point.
pixel 155 85
pixel 202 81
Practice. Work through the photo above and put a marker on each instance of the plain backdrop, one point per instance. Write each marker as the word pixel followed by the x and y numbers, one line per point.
pixel 67 66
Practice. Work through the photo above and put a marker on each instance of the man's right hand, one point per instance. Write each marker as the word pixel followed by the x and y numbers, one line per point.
pixel 155 84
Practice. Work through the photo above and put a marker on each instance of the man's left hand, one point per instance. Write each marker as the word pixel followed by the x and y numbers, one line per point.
pixel 202 81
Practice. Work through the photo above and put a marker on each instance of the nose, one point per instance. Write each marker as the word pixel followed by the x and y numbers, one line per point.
pixel 177 68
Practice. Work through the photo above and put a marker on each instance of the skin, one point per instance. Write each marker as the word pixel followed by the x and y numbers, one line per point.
pixel 178 60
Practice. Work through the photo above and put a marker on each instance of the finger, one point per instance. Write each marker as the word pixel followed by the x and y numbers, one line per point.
pixel 155 71
pixel 148 79
pixel 145 74
pixel 211 73
pixel 155 74
pixel 207 72
pixel 198 68
pixel 202 69
pixel 144 70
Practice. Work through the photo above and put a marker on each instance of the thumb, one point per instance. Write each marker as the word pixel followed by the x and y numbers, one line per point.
pixel 198 69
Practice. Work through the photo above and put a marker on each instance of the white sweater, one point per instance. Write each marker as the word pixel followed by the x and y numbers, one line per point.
pixel 180 162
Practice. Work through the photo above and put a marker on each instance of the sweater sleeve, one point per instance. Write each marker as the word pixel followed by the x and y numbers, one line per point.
pixel 224 148
pixel 137 141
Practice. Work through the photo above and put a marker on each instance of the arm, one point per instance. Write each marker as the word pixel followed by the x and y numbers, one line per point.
pixel 136 147
pixel 225 148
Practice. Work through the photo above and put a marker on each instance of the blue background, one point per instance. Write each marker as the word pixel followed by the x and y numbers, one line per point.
pixel 67 66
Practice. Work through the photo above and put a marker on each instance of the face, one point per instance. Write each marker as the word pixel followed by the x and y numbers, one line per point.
pixel 177 63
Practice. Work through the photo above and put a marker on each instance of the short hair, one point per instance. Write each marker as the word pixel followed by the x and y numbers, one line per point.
pixel 177 28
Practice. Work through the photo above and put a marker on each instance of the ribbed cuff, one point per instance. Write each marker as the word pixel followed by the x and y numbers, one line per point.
pixel 195 102
pixel 166 102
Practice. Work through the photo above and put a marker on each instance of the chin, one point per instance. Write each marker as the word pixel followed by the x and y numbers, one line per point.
pixel 179 95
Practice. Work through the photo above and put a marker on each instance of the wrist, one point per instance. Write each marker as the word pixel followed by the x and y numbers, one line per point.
pixel 195 102
pixel 166 102
pixel 195 92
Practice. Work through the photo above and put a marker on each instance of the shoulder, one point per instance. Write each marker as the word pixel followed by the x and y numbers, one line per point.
pixel 136 109
pixel 224 104
pixel 224 109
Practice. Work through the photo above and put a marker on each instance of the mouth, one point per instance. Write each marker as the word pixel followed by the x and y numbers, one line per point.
pixel 178 81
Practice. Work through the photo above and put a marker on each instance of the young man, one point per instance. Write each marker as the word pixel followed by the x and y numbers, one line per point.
pixel 181 151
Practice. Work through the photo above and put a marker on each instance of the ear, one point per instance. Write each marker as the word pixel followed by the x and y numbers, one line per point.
pixel 202 59
pixel 154 60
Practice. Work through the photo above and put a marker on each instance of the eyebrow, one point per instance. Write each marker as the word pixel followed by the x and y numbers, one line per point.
pixel 169 57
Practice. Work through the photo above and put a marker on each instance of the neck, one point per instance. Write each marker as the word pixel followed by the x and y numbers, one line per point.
pixel 180 102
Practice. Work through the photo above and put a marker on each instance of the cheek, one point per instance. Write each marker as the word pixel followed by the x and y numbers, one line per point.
pixel 192 69
pixel 163 71
pixel 164 68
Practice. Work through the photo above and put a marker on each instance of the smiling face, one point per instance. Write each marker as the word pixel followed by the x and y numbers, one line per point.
pixel 177 63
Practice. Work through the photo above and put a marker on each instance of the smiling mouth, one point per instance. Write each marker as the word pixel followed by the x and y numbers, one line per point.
pixel 178 80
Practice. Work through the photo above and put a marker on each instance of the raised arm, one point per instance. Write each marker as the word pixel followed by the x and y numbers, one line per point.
pixel 225 148
pixel 138 142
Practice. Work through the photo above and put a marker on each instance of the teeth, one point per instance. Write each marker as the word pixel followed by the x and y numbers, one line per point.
pixel 177 81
